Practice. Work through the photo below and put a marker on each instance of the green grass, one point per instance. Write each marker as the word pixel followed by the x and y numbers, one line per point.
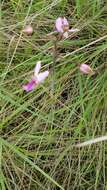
pixel 38 130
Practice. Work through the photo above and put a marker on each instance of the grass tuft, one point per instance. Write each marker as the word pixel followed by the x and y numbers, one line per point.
pixel 53 137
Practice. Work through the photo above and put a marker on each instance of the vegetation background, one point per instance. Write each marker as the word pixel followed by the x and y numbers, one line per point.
pixel 38 129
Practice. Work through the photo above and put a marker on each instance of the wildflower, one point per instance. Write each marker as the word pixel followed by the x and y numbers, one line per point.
pixel 86 69
pixel 37 78
pixel 28 30
pixel 62 26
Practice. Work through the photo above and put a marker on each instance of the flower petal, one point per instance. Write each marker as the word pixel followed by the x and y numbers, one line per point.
pixel 65 22
pixel 74 30
pixel 58 24
pixel 62 25
pixel 37 68
pixel 29 86
pixel 41 77
pixel 65 34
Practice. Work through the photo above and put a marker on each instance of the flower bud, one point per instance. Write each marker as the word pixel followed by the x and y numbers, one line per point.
pixel 28 30
pixel 86 69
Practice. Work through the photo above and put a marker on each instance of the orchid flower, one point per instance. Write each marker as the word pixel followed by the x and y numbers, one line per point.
pixel 62 26
pixel 37 78
pixel 86 69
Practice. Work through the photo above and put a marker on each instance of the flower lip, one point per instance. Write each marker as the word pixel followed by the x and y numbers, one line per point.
pixel 30 86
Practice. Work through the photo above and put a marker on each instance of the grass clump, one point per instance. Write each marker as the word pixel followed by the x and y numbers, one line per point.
pixel 38 130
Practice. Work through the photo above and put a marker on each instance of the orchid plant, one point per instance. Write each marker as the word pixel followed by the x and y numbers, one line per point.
pixel 62 27
pixel 37 78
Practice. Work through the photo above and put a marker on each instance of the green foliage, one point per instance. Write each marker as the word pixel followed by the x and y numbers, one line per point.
pixel 38 129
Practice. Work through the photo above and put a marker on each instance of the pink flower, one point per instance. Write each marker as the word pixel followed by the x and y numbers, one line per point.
pixel 86 69
pixel 62 26
pixel 37 78
pixel 28 30
pixel 30 86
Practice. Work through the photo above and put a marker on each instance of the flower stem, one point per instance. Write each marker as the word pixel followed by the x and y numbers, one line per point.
pixel 53 77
